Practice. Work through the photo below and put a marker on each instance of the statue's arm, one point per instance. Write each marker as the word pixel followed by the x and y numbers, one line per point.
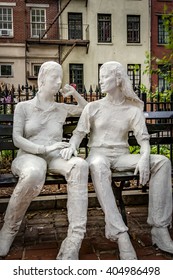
pixel 81 102
pixel 79 133
pixel 145 149
pixel 143 165
pixel 139 128
pixel 74 145
pixel 26 145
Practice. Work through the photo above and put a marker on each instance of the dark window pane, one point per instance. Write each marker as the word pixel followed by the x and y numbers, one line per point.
pixel 163 77
pixel 75 26
pixel 36 69
pixel 104 28
pixel 163 35
pixel 133 29
pixel 76 76
pixel 6 70
pixel 134 73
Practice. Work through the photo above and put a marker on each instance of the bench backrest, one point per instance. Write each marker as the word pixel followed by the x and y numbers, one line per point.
pixel 159 124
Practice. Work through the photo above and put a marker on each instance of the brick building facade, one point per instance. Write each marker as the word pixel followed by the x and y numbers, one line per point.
pixel 159 40
pixel 79 34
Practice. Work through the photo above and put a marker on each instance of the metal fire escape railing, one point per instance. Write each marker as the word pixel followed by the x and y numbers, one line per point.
pixel 73 43
pixel 68 52
pixel 55 19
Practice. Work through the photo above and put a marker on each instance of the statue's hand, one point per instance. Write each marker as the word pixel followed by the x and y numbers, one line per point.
pixel 68 152
pixel 55 146
pixel 68 90
pixel 144 170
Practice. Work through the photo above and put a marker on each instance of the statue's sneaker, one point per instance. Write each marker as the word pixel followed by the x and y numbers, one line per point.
pixel 125 246
pixel 161 238
pixel 6 239
pixel 69 250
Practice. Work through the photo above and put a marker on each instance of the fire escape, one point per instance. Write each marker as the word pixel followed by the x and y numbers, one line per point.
pixel 65 42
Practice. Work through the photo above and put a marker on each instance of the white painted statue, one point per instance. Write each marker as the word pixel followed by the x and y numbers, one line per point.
pixel 108 121
pixel 37 132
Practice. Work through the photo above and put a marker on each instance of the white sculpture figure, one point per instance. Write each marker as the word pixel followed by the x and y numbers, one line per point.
pixel 108 121
pixel 37 131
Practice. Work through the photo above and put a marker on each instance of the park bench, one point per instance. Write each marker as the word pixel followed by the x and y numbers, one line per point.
pixel 160 127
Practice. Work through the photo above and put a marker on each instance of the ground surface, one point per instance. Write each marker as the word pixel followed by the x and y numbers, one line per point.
pixel 42 232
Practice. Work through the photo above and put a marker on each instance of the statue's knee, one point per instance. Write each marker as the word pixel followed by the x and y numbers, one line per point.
pixel 164 160
pixel 97 162
pixel 167 162
pixel 159 162
pixel 33 176
pixel 78 175
pixel 81 165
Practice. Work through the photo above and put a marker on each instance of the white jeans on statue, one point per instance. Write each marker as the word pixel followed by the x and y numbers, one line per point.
pixel 102 160
pixel 31 170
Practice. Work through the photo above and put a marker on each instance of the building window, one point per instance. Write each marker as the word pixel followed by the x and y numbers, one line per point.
pixel 163 34
pixel 5 70
pixel 35 69
pixel 76 76
pixel 6 22
pixel 38 22
pixel 133 29
pixel 104 28
pixel 164 77
pixel 134 73
pixel 75 26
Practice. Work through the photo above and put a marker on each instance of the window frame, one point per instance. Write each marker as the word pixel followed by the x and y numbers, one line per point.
pixel 75 26
pixel 134 73
pixel 11 70
pixel 6 23
pixel 35 73
pixel 163 34
pixel 103 24
pixel 165 84
pixel 135 31
pixel 73 79
pixel 36 23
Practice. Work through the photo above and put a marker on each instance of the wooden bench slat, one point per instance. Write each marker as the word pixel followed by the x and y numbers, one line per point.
pixel 159 115
pixel 6 130
pixel 6 118
pixel 4 145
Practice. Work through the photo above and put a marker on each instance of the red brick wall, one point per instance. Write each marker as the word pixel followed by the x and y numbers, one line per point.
pixel 157 7
pixel 21 17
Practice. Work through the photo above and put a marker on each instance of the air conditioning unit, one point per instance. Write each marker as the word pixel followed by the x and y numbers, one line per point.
pixel 4 32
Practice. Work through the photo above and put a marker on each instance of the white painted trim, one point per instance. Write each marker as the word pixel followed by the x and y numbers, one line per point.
pixel 37 5
pixel 7 4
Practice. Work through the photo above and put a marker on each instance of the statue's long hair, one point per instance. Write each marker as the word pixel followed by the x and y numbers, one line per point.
pixel 126 86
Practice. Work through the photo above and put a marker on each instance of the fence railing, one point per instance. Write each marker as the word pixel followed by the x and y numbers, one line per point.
pixel 9 97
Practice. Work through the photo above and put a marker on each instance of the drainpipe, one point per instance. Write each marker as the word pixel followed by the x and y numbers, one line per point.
pixel 25 47
pixel 59 30
pixel 150 38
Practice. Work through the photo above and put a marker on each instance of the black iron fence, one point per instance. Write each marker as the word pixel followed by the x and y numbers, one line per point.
pixel 9 97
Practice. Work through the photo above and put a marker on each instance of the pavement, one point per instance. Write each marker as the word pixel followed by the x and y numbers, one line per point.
pixel 42 232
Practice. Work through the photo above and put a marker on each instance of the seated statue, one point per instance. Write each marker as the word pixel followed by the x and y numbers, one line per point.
pixel 37 132
pixel 108 122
